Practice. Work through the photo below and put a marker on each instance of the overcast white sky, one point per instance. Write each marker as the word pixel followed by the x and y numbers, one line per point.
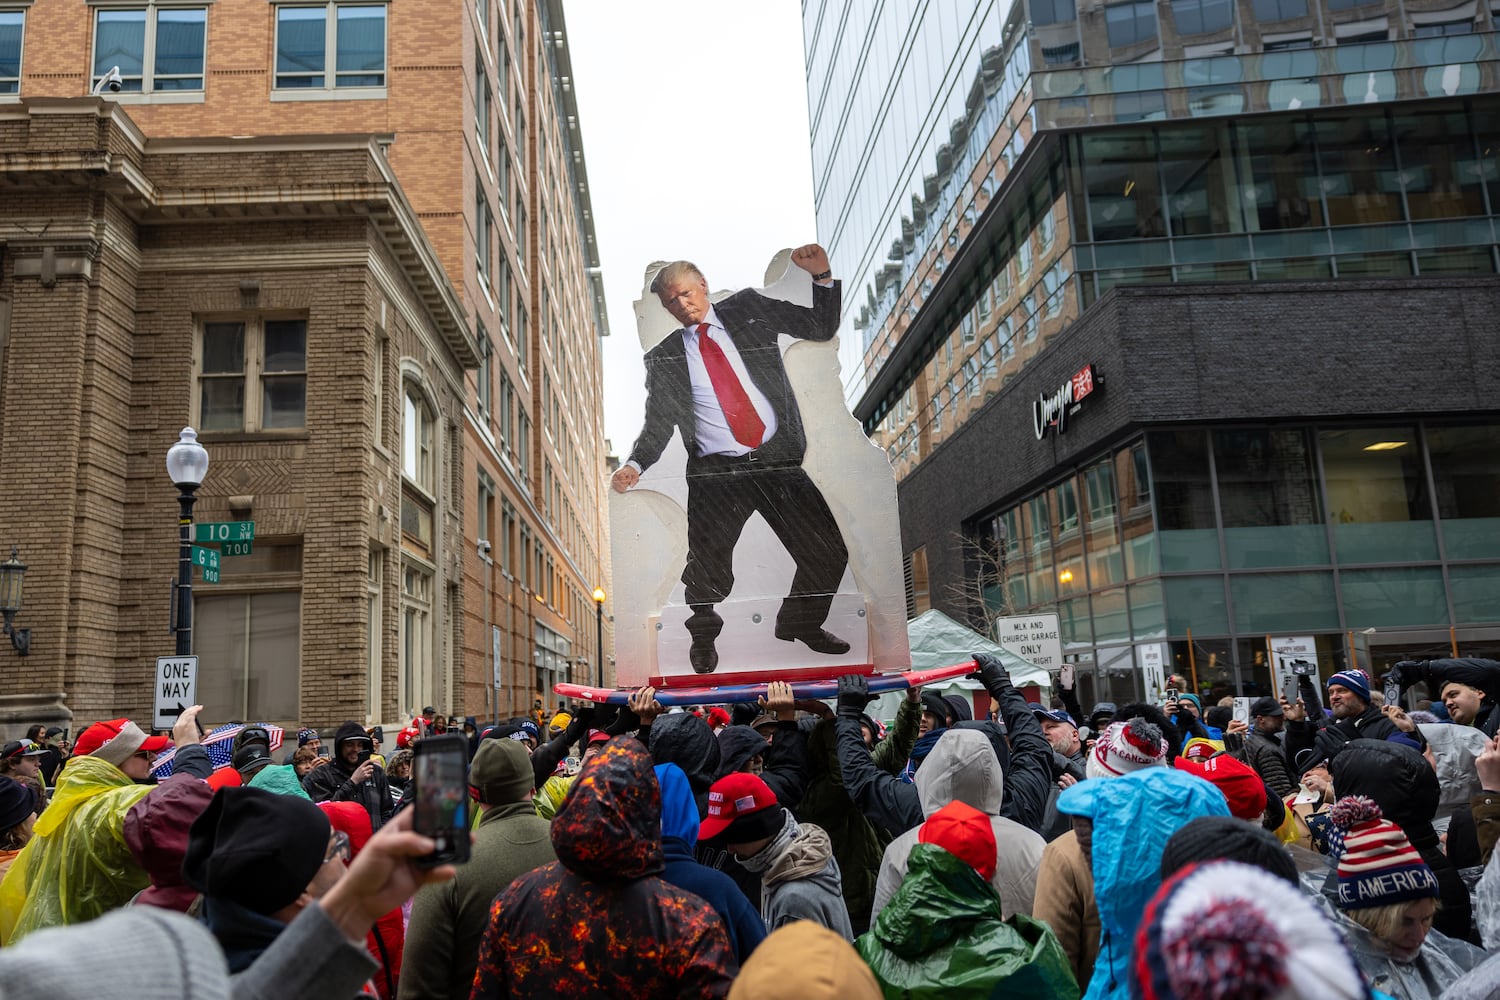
pixel 694 120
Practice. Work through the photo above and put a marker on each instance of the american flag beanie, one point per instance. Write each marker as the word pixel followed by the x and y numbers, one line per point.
pixel 1377 864
pixel 1223 930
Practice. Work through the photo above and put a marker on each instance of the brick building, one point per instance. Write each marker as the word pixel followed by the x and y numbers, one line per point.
pixel 280 295
pixel 474 101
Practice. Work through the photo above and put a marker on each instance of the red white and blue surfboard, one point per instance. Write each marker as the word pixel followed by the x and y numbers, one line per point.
pixel 726 694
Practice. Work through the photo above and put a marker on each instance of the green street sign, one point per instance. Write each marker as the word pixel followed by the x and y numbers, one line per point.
pixel 235 548
pixel 206 558
pixel 211 532
pixel 210 574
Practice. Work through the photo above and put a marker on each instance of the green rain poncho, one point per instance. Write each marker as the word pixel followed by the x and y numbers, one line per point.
pixel 77 866
pixel 942 937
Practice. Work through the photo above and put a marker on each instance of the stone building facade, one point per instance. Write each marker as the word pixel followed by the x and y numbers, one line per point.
pixel 279 295
pixel 477 101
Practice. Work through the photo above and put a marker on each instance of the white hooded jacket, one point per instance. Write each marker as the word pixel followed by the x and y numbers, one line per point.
pixel 962 766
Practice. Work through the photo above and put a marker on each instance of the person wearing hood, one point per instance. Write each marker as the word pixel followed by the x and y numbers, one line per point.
pixel 945 930
pixel 779 761
pixel 963 768
pixel 1387 897
pixel 679 838
pixel 17 821
pixel 857 843
pixel 545 932
pixel 1065 883
pixel 1401 782
pixel 352 776
pixel 1123 825
pixel 803 961
pixel 799 876
pixel 546 757
pixel 449 919
pixel 77 864
pixel 894 804
pixel 156 831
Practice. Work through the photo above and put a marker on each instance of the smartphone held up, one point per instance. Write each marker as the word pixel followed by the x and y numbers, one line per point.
pixel 440 774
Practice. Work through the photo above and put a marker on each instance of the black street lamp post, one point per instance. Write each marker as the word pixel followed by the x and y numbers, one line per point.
pixel 187 464
pixel 599 636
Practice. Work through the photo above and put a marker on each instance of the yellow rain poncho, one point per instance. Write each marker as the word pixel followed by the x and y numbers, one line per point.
pixel 77 866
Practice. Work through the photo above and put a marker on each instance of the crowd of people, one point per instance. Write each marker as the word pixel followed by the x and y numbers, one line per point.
pixel 782 849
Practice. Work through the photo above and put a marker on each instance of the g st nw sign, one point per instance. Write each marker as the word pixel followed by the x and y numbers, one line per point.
pixel 1052 410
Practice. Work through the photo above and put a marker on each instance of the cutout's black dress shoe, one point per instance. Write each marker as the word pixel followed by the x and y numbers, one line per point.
pixel 816 639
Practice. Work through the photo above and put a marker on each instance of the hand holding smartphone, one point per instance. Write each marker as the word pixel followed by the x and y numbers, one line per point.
pixel 440 775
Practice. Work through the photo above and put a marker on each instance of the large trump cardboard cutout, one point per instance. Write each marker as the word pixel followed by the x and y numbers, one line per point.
pixel 754 528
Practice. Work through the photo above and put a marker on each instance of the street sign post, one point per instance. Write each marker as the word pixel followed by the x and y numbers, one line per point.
pixel 176 689
pixel 208 561
pixel 212 532
pixel 1034 638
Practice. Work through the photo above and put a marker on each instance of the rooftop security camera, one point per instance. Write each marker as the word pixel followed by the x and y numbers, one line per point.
pixel 112 81
pixel 484 546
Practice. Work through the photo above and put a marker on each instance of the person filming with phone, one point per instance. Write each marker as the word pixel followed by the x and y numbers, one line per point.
pixel 351 776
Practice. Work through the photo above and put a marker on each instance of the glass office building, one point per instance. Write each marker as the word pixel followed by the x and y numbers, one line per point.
pixel 987 174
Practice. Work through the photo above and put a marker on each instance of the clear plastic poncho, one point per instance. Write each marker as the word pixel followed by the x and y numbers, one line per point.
pixel 76 866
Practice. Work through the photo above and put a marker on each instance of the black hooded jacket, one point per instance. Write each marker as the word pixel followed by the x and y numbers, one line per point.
pixel 783 758
pixel 1025 760
pixel 1400 781
pixel 334 780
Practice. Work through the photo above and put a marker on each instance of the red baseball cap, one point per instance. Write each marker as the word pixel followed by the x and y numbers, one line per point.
pixel 964 832
pixel 597 736
pixel 122 738
pixel 733 797
pixel 1242 787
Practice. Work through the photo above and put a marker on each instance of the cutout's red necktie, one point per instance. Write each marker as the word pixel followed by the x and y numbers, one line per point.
pixel 744 423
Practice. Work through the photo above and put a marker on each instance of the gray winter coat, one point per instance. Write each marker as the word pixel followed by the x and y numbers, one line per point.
pixel 964 767
pixel 800 879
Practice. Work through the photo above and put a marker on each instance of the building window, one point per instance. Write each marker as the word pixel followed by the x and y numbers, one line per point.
pixel 1130 23
pixel 252 375
pixel 306 35
pixel 1202 17
pixel 486 372
pixel 1271 11
pixel 253 641
pixel 416 638
pixel 12 26
pixel 503 420
pixel 484 238
pixel 374 586
pixel 379 385
pixel 156 48
pixel 416 442
pixel 481 103
pixel 1045 12
pixel 484 510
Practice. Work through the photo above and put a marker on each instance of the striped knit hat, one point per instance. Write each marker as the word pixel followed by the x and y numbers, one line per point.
pixel 1377 864
pixel 1227 931
pixel 1355 680
pixel 1125 747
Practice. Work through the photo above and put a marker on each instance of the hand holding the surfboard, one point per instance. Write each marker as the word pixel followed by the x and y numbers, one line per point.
pixel 991 673
pixel 644 704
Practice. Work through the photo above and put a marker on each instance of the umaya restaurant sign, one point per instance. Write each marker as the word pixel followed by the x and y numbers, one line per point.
pixel 1052 411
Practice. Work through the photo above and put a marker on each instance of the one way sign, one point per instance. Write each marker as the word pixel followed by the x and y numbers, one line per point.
pixel 176 688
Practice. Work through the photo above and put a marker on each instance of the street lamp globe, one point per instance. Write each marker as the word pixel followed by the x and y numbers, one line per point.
pixel 187 460
pixel 598 595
